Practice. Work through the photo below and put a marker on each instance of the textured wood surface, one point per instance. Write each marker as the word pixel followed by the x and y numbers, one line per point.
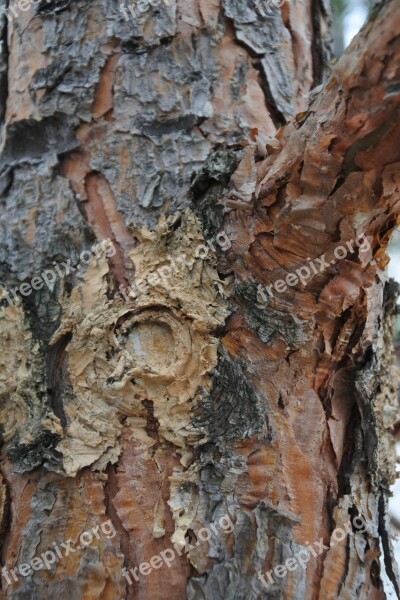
pixel 198 395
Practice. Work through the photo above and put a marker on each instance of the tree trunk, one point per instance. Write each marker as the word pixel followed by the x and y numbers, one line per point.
pixel 196 374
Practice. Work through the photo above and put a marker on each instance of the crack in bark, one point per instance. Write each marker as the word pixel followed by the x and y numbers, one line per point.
pixel 4 60
pixel 6 524
pixel 103 99
pixel 368 142
pixel 322 49
pixel 56 375
pixel 110 491
pixel 105 219
pixel 389 558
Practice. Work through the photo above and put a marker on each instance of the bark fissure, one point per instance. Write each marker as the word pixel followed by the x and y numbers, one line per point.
pixel 3 63
pixel 110 491
pixel 6 515
pixel 390 561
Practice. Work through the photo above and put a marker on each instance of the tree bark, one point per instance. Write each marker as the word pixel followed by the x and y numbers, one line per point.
pixel 172 384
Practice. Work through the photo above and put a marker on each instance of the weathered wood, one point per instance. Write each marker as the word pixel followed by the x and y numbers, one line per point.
pixel 165 386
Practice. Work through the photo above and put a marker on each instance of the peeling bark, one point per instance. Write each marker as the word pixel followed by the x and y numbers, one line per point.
pixel 161 388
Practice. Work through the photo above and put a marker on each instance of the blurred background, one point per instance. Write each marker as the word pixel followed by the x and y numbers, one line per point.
pixel 348 18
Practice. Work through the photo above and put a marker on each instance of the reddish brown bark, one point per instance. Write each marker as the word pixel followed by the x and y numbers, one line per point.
pixel 197 398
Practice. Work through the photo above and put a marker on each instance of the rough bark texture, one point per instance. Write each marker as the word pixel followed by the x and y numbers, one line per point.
pixel 197 398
